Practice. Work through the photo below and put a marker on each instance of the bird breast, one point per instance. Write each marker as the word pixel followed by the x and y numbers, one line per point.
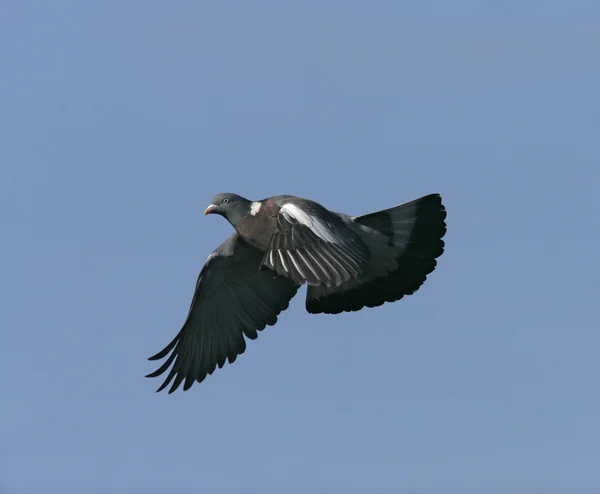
pixel 258 229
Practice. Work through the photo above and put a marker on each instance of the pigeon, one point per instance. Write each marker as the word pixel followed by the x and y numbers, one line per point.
pixel 283 242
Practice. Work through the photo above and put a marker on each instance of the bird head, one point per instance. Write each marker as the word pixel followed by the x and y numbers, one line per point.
pixel 231 206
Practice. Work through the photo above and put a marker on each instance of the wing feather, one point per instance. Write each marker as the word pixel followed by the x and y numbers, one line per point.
pixel 315 246
pixel 233 298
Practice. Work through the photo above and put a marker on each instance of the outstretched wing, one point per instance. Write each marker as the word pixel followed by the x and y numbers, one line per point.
pixel 405 242
pixel 315 246
pixel 233 298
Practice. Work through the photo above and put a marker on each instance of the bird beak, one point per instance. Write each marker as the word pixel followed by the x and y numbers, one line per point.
pixel 210 209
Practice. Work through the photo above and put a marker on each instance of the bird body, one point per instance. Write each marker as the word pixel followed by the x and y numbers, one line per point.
pixel 283 242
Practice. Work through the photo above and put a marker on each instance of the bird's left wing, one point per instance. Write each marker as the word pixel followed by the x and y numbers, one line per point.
pixel 233 298
pixel 314 245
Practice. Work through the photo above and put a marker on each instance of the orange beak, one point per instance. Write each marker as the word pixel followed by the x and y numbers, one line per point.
pixel 210 209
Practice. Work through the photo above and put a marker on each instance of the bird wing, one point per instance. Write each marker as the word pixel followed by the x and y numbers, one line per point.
pixel 405 242
pixel 313 245
pixel 233 298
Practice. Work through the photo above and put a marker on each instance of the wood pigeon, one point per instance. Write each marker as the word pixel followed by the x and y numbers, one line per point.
pixel 280 243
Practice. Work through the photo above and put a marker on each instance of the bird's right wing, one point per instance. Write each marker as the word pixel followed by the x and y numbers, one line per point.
pixel 313 245
pixel 233 298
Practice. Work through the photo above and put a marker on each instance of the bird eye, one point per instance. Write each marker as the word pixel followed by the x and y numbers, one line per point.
pixel 225 201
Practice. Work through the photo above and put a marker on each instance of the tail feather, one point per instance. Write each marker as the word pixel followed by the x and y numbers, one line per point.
pixel 414 231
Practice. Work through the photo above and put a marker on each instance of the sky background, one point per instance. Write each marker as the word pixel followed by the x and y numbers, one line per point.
pixel 119 122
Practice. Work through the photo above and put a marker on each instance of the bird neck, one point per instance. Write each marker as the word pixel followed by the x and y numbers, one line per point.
pixel 237 215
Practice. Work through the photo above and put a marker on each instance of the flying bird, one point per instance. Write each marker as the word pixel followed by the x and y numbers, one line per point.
pixel 283 242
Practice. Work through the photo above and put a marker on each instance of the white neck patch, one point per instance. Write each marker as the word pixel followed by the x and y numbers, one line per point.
pixel 255 208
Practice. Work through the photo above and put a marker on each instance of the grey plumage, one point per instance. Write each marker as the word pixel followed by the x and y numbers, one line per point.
pixel 283 242
pixel 233 299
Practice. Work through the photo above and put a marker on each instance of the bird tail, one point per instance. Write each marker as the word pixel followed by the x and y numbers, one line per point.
pixel 414 234
pixel 414 228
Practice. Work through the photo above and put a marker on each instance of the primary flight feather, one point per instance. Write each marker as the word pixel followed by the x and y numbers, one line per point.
pixel 280 243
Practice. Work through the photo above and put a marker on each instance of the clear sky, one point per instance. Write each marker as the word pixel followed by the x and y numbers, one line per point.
pixel 119 122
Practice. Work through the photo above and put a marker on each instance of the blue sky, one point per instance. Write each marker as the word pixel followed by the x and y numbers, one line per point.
pixel 121 120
